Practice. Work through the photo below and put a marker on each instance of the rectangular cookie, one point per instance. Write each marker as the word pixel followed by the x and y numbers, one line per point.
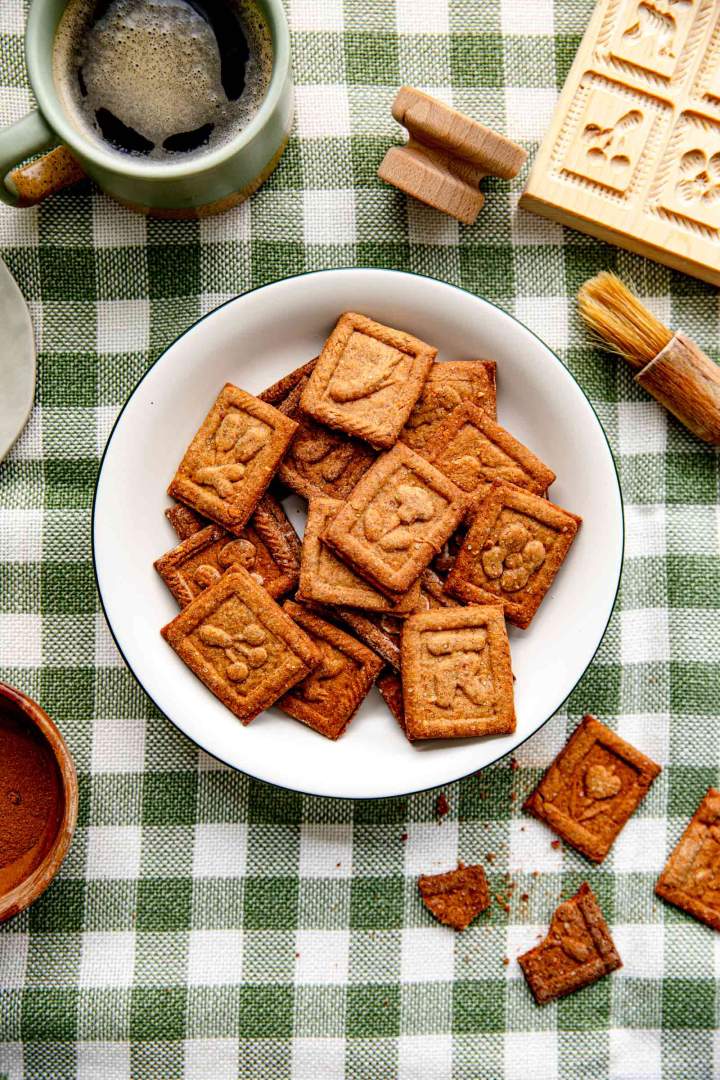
pixel 450 383
pixel 456 674
pixel 577 950
pixel 325 579
pixel 246 649
pixel 268 547
pixel 279 390
pixel 691 876
pixel 320 461
pixel 232 458
pixel 473 450
pixel 367 379
pixel 328 698
pixel 396 520
pixel 592 788
pixel 516 544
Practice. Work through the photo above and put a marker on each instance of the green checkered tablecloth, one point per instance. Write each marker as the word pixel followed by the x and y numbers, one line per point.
pixel 205 925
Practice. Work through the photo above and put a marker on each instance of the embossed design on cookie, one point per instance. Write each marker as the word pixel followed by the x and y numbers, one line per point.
pixel 691 876
pixel 391 529
pixel 465 669
pixel 351 382
pixel 244 649
pixel 591 789
pixel 322 449
pixel 514 558
pixel 240 552
pixel 319 688
pixel 235 446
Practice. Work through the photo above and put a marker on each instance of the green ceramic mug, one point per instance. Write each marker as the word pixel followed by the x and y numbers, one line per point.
pixel 203 184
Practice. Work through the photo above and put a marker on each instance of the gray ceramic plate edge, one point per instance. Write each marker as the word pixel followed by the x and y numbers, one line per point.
pixel 17 361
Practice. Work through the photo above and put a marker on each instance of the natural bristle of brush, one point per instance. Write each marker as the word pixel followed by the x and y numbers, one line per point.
pixel 625 325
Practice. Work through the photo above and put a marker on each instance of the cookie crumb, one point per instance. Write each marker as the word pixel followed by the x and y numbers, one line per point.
pixel 442 806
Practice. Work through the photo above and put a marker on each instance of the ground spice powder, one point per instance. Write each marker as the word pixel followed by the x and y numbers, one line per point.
pixel 29 787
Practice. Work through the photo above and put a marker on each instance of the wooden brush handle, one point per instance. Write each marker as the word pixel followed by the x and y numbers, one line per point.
pixel 687 382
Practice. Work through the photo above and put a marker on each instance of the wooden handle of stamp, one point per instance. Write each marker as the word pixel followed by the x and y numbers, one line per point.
pixel 446 156
pixel 687 382
pixel 44 176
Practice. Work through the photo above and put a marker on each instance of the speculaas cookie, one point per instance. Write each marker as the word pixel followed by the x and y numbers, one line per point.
pixel 367 379
pixel 328 698
pixel 185 521
pixel 592 788
pixel 200 561
pixel 515 546
pixel 320 461
pixel 232 458
pixel 577 951
pixel 395 520
pixel 691 877
pixel 456 673
pixel 448 385
pixel 279 390
pixel 325 579
pixel 389 685
pixel 457 897
pixel 246 649
pixel 473 450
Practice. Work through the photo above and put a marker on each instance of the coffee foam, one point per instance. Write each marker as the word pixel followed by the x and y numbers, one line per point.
pixel 155 65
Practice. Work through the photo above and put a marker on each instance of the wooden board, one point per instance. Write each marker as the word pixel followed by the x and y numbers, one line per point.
pixel 633 153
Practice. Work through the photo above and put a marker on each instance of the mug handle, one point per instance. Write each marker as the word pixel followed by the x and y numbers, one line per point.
pixel 26 185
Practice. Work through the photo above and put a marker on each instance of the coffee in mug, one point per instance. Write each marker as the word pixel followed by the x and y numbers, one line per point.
pixel 162 80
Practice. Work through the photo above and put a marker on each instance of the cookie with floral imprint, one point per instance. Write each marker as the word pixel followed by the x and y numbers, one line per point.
pixel 396 520
pixel 232 458
pixel 592 788
pixel 691 877
pixel 367 379
pixel 576 952
pixel 241 645
pixel 515 546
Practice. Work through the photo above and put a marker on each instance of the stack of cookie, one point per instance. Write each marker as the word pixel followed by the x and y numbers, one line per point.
pixel 428 526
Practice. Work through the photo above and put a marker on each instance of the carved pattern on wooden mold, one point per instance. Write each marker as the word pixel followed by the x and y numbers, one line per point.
pixel 633 153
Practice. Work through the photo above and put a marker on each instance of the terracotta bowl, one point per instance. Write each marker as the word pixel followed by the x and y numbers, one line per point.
pixel 37 819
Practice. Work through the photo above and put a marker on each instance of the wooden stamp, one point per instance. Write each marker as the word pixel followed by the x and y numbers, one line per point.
pixel 473 450
pixel 245 648
pixel 691 877
pixel 577 951
pixel 633 153
pixel 232 458
pixel 592 788
pixel 367 379
pixel 449 385
pixel 457 897
pixel 446 156
pixel 328 698
pixel 395 520
pixel 515 547
pixel 456 674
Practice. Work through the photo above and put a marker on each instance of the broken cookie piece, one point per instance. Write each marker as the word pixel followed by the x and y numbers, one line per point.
pixel 576 952
pixel 457 897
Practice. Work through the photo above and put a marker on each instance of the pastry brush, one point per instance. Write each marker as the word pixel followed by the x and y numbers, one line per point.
pixel 669 365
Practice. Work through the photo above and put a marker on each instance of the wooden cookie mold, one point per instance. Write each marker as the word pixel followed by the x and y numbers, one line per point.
pixel 633 153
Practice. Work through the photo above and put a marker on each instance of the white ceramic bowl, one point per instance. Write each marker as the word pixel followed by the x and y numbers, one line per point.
pixel 254 340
